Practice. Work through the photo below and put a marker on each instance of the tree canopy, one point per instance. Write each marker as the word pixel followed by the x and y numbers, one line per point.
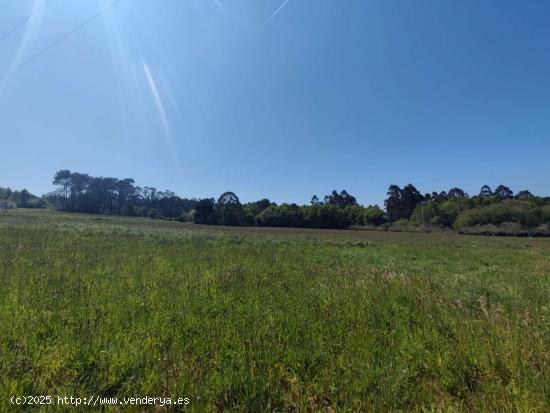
pixel 80 192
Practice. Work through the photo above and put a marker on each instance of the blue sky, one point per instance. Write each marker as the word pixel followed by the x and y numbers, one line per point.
pixel 200 97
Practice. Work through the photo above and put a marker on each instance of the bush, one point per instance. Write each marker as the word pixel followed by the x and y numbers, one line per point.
pixel 402 222
pixel 448 211
pixel 326 216
pixel 513 211
pixel 424 214
pixel 231 216
pixel 356 215
pixel 374 215
pixel 284 215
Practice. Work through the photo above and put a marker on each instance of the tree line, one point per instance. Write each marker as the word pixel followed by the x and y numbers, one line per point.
pixel 22 199
pixel 78 192
pixel 456 209
pixel 403 207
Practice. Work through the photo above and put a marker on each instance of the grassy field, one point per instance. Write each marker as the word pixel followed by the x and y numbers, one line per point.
pixel 258 319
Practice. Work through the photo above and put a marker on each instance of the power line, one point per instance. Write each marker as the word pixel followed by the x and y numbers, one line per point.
pixel 25 20
pixel 59 40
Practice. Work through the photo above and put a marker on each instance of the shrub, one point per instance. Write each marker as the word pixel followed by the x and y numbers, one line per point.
pixel 326 216
pixel 356 215
pixel 516 211
pixel 285 215
pixel 374 215
pixel 424 214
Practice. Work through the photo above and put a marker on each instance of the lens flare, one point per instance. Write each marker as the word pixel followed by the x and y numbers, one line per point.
pixel 161 111
pixel 32 29
pixel 276 12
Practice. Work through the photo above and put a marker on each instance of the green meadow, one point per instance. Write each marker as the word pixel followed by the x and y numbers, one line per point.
pixel 260 319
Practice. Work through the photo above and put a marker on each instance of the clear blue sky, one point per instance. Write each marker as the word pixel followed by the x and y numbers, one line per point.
pixel 203 96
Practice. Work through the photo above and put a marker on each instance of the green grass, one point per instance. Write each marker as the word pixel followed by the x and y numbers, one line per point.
pixel 260 319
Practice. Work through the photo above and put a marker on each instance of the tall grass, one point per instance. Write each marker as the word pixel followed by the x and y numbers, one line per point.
pixel 271 323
